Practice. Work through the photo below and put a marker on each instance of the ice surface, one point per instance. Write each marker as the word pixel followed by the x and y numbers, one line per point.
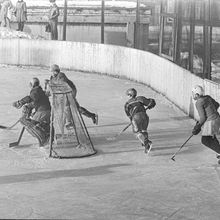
pixel 120 182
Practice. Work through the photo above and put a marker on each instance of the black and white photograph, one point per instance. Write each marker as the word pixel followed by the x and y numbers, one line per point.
pixel 110 109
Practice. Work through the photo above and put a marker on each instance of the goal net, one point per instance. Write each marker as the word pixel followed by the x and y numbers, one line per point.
pixel 69 135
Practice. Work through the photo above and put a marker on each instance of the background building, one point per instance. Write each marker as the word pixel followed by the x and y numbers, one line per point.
pixel 189 35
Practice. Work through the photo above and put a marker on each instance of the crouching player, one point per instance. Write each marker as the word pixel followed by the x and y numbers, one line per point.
pixel 209 119
pixel 37 123
pixel 135 109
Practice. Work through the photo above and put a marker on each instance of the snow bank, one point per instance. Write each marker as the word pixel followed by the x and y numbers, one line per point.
pixel 10 33
pixel 81 3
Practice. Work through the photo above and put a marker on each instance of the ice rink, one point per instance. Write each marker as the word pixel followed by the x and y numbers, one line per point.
pixel 119 182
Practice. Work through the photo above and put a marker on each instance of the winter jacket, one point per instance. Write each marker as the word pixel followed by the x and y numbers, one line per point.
pixel 38 98
pixel 4 9
pixel 61 77
pixel 21 11
pixel 137 104
pixel 53 13
pixel 207 109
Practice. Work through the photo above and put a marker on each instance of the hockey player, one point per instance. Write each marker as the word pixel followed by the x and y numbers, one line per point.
pixel 209 119
pixel 135 109
pixel 59 77
pixel 37 123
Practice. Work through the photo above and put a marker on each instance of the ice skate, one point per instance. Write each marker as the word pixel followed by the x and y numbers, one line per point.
pixel 218 158
pixel 148 147
pixel 95 119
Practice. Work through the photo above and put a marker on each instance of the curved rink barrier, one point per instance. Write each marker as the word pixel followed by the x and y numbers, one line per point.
pixel 172 81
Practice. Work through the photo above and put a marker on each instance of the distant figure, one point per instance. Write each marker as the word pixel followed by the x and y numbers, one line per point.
pixel 11 10
pixel 53 19
pixel 21 14
pixel 5 6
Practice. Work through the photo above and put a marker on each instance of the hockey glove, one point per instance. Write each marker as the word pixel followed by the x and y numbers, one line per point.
pixel 27 110
pixel 196 129
pixel 152 104
pixel 17 104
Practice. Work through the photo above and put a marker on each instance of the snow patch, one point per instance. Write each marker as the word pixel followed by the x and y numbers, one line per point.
pixel 10 33
pixel 81 3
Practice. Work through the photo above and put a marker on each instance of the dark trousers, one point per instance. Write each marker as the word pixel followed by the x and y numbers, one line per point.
pixel 85 112
pixel 20 26
pixel 211 142
pixel 82 111
pixel 140 123
pixel 54 32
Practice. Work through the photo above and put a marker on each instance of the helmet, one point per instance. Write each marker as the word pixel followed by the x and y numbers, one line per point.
pixel 34 82
pixel 198 90
pixel 131 92
pixel 55 68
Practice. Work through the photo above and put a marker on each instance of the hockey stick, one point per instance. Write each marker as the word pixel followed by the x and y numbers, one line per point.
pixel 3 127
pixel 13 124
pixel 173 157
pixel 127 126
pixel 124 129
pixel 8 128
pixel 13 144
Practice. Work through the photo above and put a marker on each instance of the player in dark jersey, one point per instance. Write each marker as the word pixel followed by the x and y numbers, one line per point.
pixel 37 123
pixel 135 108
pixel 59 77
pixel 209 119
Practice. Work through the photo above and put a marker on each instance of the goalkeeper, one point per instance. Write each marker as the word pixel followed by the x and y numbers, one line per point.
pixel 37 123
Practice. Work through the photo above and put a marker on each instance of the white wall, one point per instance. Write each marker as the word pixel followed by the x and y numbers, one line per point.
pixel 162 75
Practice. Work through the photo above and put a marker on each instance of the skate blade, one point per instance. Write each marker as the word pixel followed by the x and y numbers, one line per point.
pixel 147 151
